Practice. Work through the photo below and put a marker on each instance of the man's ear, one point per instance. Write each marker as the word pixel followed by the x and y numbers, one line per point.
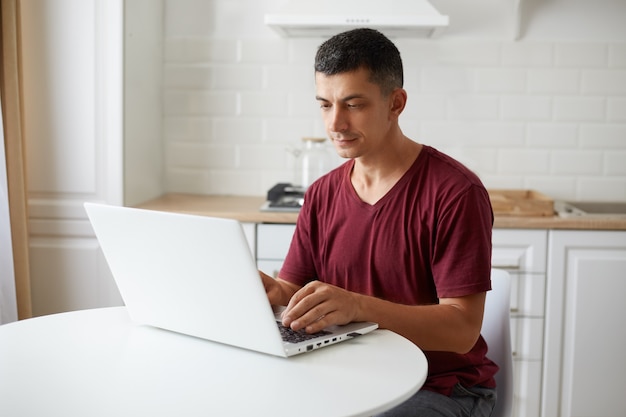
pixel 397 101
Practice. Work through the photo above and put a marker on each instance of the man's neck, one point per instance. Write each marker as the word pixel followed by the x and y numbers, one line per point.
pixel 372 178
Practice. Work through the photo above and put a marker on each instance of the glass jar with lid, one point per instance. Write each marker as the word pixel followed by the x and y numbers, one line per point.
pixel 313 162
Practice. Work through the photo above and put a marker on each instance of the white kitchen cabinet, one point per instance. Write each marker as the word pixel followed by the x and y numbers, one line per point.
pixel 273 242
pixel 585 372
pixel 523 254
pixel 249 230
pixel 527 380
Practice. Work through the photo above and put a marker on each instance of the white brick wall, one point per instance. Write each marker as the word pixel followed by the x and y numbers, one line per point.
pixel 547 115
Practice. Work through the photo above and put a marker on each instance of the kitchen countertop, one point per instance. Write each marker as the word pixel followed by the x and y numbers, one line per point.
pixel 246 209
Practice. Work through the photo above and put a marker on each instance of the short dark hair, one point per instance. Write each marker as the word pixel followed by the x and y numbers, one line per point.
pixel 362 48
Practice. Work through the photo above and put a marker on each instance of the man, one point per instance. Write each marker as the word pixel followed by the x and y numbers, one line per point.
pixel 400 234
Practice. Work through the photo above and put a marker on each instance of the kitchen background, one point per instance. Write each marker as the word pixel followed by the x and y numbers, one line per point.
pixel 546 111
pixel 124 100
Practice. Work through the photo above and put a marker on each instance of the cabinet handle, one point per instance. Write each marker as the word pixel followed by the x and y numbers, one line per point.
pixel 514 310
pixel 507 266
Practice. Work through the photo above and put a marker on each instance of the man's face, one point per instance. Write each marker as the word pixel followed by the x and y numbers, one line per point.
pixel 356 114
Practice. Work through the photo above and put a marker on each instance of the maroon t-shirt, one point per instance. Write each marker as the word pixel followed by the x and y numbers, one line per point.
pixel 428 237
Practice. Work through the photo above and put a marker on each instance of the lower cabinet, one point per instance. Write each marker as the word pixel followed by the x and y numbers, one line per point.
pixel 249 230
pixel 585 341
pixel 272 244
pixel 523 254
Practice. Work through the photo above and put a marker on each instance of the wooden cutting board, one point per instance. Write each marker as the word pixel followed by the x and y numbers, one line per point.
pixel 521 203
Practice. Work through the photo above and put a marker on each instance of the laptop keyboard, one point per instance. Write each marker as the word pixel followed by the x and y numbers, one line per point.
pixel 293 336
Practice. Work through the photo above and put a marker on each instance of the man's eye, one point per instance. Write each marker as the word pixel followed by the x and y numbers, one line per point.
pixel 353 105
pixel 324 106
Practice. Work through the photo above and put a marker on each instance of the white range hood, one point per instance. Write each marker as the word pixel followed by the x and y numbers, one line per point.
pixel 324 18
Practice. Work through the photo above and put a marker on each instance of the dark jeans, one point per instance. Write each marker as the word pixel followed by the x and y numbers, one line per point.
pixel 464 402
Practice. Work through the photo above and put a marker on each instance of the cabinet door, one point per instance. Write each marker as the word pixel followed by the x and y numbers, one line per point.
pixel 520 250
pixel 585 371
pixel 72 55
pixel 249 229
pixel 527 390
pixel 273 241
pixel 523 254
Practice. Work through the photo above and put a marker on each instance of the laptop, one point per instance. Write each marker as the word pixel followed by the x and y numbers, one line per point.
pixel 196 275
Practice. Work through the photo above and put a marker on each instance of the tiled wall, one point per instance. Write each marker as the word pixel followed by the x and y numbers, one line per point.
pixel 545 115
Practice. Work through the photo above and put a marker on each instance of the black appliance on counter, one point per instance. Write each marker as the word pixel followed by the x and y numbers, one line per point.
pixel 284 197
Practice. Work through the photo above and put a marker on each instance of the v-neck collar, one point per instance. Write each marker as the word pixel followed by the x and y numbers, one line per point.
pixel 389 194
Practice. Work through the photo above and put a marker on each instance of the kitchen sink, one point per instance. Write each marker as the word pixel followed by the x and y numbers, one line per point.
pixel 590 208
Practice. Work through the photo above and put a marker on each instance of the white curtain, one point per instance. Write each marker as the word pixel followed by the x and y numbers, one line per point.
pixel 8 301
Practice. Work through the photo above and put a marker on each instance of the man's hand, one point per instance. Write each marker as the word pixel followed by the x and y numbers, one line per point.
pixel 452 325
pixel 278 291
pixel 272 288
pixel 318 305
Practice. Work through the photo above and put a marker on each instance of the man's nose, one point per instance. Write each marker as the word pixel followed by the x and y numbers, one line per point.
pixel 337 121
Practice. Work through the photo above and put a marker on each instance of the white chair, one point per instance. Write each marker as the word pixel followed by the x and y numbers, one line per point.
pixel 496 330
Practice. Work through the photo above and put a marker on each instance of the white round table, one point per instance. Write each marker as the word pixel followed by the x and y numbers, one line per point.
pixel 98 363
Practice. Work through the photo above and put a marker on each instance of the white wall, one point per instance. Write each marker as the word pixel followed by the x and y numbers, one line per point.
pixel 547 112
